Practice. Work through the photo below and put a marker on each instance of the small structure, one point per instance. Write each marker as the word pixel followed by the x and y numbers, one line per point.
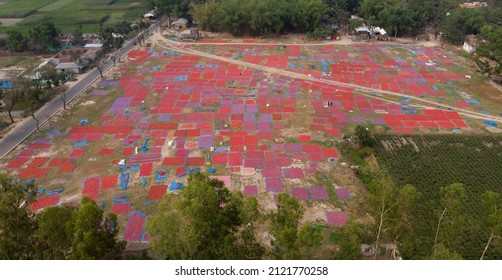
pixel 72 67
pixel 470 43
pixel 190 34
pixel 380 33
pixel 151 15
pixel 180 24
pixel 363 32
pixel 472 5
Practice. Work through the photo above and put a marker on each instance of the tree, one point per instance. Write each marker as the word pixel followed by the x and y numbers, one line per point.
pixel 391 207
pixel 18 91
pixel 290 240
pixel 492 214
pixel 489 51
pixel 94 234
pixel 364 137
pixel 17 223
pixel 77 36
pixel 54 232
pixel 123 28
pixel 205 221
pixel 61 91
pixel 349 241
pixel 451 218
pixel 16 41
pixel 44 36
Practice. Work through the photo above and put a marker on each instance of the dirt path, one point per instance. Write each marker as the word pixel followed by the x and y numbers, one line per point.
pixel 159 39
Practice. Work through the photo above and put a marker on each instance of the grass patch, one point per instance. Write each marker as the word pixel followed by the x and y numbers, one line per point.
pixel 7 61
pixel 100 2
pixel 17 13
pixel 56 5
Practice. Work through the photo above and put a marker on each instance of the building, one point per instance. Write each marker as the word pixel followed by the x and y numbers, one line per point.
pixel 151 15
pixel 472 5
pixel 363 32
pixel 190 34
pixel 180 24
pixel 72 67
pixel 470 43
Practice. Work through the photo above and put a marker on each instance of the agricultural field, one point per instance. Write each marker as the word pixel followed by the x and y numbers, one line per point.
pixel 168 113
pixel 67 14
pixel 430 162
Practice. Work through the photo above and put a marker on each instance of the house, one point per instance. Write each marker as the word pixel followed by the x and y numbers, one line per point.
pixel 190 34
pixel 151 15
pixel 472 5
pixel 470 43
pixel 72 67
pixel 180 24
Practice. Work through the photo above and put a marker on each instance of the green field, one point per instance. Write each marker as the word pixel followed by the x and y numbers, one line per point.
pixel 68 14
pixel 430 162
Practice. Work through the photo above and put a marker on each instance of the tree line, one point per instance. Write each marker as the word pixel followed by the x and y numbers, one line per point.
pixel 81 232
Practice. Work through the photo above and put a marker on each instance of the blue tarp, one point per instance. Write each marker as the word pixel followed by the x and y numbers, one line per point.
pixel 120 199
pixel 194 170
pixel 124 181
pixel 175 186
pixel 83 121
pixel 53 192
pixel 161 174
pixel 40 191
pixel 490 123
pixel 80 144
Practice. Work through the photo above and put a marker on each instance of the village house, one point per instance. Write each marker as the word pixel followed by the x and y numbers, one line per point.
pixel 180 24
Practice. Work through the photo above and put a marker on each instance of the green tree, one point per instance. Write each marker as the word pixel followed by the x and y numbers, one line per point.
pixel 206 221
pixel 489 51
pixel 492 214
pixel 441 252
pixel 349 241
pixel 54 233
pixel 16 41
pixel 44 37
pixel 364 137
pixel 451 218
pixel 17 223
pixel 94 234
pixel 123 28
pixel 292 241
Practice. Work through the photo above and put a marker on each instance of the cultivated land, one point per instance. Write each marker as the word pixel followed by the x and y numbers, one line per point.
pixel 253 114
pixel 67 14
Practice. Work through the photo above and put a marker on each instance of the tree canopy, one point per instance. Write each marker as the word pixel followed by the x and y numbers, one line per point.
pixel 206 221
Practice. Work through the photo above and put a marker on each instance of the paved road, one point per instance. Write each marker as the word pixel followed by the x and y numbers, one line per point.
pixel 16 136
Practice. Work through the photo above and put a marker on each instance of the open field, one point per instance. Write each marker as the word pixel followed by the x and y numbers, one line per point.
pixel 68 14
pixel 262 132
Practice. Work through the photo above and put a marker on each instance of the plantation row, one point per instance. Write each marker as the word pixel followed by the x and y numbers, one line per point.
pixel 430 162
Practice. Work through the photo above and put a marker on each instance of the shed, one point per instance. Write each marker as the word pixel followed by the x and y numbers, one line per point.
pixel 190 34
pixel 151 15
pixel 69 67
pixel 180 24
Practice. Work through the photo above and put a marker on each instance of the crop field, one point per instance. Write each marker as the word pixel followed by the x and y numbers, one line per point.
pixel 68 14
pixel 430 162
pixel 168 114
